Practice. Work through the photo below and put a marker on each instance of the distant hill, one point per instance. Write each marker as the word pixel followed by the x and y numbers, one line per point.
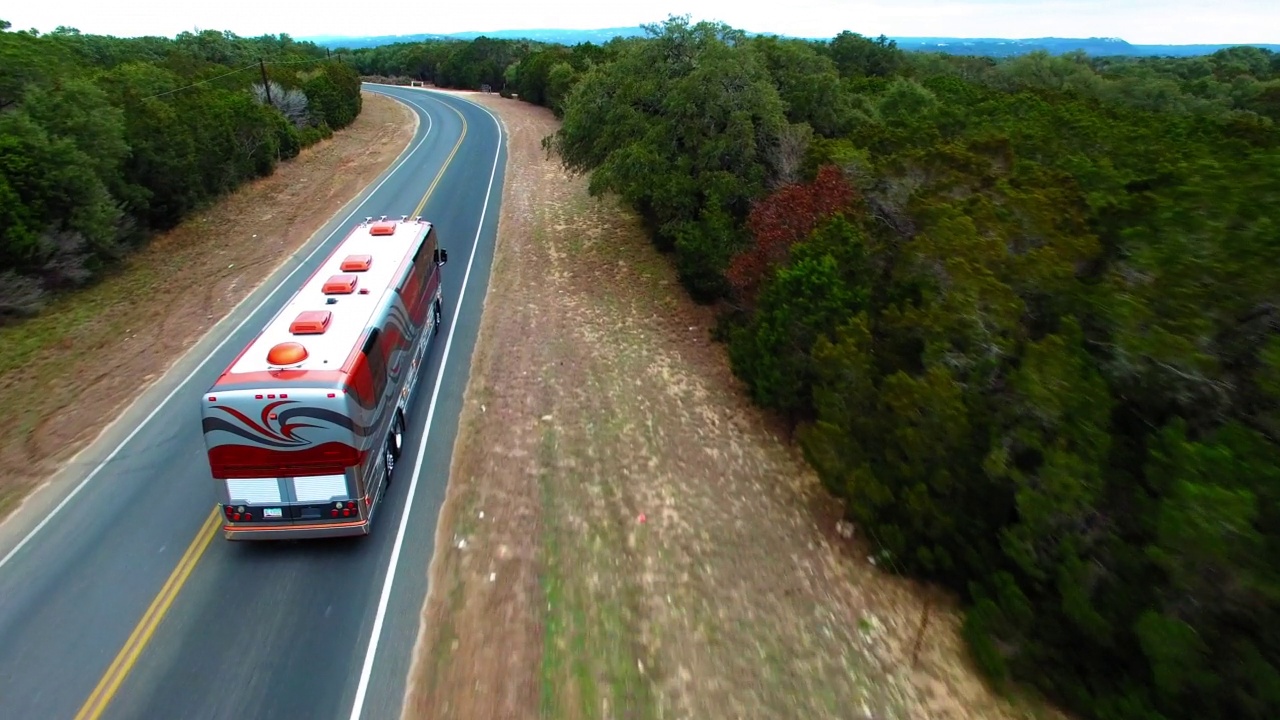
pixel 992 47
pixel 564 37
pixel 999 47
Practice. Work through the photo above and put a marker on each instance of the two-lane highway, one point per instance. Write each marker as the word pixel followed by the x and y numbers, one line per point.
pixel 120 599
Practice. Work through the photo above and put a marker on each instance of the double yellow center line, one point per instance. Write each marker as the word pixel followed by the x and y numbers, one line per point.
pixel 443 166
pixel 141 635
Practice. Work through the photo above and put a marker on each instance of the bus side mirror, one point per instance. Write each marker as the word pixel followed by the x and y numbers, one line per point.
pixel 442 256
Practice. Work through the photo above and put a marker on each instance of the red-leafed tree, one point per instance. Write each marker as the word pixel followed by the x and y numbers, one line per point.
pixel 784 218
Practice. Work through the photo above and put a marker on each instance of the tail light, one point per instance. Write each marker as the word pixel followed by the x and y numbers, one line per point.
pixel 341 509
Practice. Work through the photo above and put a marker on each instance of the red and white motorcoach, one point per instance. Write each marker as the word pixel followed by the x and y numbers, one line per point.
pixel 304 428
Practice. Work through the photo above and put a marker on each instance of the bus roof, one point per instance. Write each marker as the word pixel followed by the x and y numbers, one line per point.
pixel 322 323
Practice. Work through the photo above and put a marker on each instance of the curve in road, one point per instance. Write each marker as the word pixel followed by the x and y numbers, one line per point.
pixel 108 606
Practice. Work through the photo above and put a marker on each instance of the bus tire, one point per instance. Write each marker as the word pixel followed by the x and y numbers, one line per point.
pixel 435 318
pixel 395 440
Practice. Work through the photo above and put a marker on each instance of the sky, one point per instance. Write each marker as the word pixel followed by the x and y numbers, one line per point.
pixel 1137 21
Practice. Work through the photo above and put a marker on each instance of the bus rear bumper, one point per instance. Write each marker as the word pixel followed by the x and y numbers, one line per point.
pixel 300 531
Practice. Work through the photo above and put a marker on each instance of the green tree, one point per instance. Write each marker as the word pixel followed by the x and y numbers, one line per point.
pixel 856 56
pixel 807 82
pixel 104 140
pixel 678 126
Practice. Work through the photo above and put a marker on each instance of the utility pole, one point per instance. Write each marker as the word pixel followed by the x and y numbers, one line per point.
pixel 265 85
pixel 328 55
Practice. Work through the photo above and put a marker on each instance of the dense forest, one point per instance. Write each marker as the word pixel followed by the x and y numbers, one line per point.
pixel 105 141
pixel 1023 315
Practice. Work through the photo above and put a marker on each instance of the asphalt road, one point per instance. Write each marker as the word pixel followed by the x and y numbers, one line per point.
pixel 274 630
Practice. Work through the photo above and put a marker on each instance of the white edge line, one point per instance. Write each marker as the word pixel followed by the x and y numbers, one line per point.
pixel 190 376
pixel 366 672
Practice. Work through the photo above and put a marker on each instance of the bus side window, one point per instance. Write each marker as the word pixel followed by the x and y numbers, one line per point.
pixel 374 351
pixel 415 288
pixel 412 288
pixel 426 259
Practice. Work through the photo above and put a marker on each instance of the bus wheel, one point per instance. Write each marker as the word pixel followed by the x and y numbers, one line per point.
pixel 394 440
pixel 435 318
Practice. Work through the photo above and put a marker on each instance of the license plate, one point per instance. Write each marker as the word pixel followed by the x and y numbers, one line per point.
pixel 270 513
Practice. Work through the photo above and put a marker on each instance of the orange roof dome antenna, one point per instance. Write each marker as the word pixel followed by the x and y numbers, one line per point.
pixel 287 353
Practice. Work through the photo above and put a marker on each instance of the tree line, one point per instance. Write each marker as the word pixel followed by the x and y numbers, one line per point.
pixel 105 141
pixel 1023 315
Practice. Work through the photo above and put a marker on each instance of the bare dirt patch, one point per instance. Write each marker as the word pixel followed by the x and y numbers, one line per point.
pixel 66 374
pixel 623 535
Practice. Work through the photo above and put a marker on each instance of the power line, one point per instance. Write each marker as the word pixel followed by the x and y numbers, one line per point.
pixel 233 72
pixel 202 82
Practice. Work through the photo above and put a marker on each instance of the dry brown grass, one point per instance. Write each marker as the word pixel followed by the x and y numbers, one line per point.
pixel 69 372
pixel 623 535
